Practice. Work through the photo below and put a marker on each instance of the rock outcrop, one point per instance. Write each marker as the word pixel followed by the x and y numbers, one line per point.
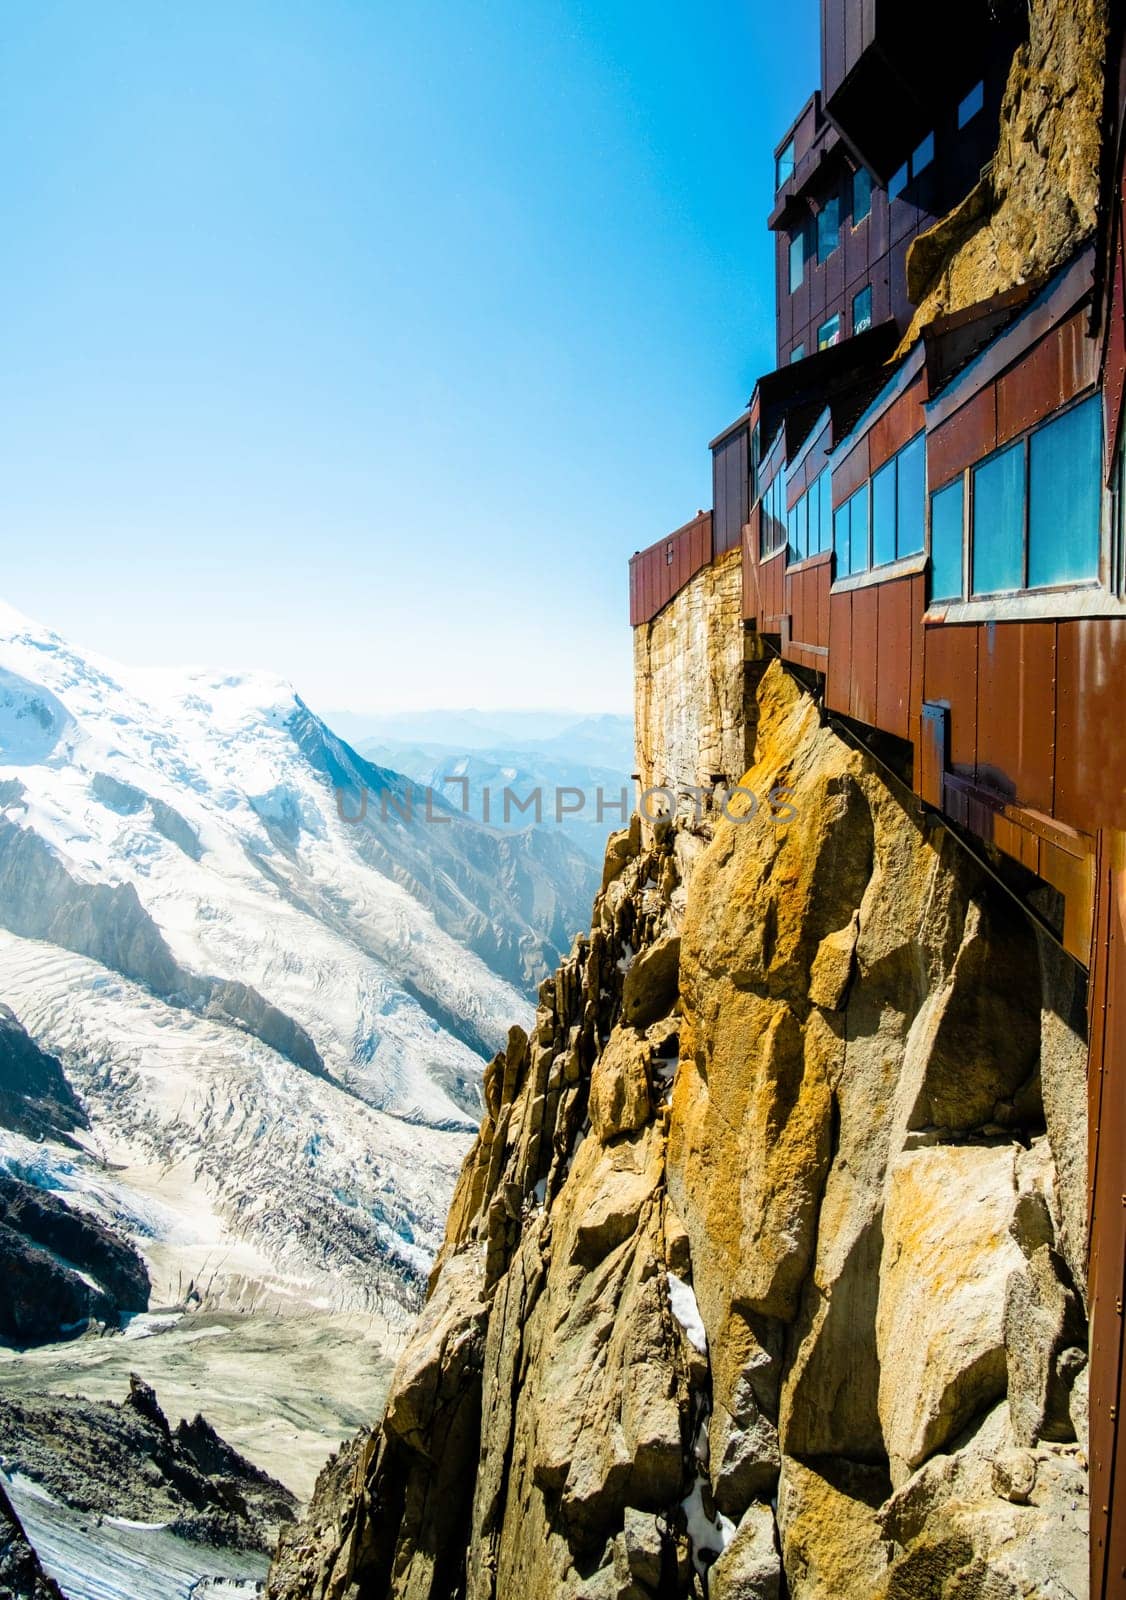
pixel 127 1461
pixel 756 1280
pixel 61 1268
pixel 1037 200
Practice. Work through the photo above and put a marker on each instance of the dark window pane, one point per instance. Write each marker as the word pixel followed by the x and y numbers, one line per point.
pixel 897 182
pixel 784 165
pixel 828 228
pixel 797 260
pixel 923 156
pixel 911 491
pixel 862 310
pixel 999 522
pixel 1065 497
pixel 971 105
pixel 861 194
pixel 946 542
pixel 826 485
pixel 793 540
pixel 883 515
pixel 858 530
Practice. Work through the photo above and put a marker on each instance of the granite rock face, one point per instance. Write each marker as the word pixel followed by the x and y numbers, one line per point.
pixel 723 1306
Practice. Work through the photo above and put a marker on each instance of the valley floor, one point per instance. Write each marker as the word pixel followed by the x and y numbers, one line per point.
pixel 283 1391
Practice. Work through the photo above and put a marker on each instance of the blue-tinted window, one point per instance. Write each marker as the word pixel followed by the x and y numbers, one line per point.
pixel 793 538
pixel 898 182
pixel 841 539
pixel 971 105
pixel 911 493
pixel 828 227
pixel 859 559
pixel 829 332
pixel 883 514
pixel 861 194
pixel 797 260
pixel 923 156
pixel 784 165
pixel 946 542
pixel 1065 497
pixel 813 521
pixel 862 310
pixel 998 522
pixel 797 353
pixel 825 490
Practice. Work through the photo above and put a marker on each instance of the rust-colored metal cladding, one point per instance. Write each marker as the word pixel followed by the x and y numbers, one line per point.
pixel 898 424
pixel 752 610
pixel 950 678
pixel 850 473
pixel 772 591
pixel 1016 711
pixel 1107 1276
pixel 808 589
pixel 661 571
pixel 865 655
pixel 1090 747
pixel 1060 367
pixel 896 628
pixel 968 436
pixel 730 485
pixel 839 674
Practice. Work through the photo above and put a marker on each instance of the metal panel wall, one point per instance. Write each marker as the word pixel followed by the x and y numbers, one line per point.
pixel 661 571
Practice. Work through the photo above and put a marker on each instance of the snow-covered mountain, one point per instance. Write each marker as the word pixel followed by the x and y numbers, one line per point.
pixel 271 976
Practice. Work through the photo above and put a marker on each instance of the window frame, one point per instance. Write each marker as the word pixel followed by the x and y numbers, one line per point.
pixel 829 343
pixel 784 165
pixel 1105 575
pixel 867 212
pixel 867 290
pixel 832 201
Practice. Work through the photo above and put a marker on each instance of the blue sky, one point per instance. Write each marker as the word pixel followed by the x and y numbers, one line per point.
pixel 364 341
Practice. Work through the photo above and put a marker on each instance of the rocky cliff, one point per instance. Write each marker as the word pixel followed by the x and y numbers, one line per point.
pixel 1037 200
pixel 764 1275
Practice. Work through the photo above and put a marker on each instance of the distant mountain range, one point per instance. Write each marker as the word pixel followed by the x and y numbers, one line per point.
pixel 272 979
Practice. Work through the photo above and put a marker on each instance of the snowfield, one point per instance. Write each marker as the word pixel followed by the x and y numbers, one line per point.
pixel 270 1013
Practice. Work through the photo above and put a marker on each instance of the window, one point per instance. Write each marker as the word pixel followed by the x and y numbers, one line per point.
pixel 784 165
pixel 898 182
pixel 773 531
pixel 923 156
pixel 828 227
pixel 911 497
pixel 1065 497
pixel 883 514
pixel 861 194
pixel 829 332
pixel 947 519
pixel 810 521
pixel 998 489
pixel 862 310
pixel 797 353
pixel 797 260
pixel 1037 506
pixel 971 105
pixel 850 534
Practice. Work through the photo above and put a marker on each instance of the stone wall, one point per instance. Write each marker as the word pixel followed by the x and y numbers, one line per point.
pixel 690 683
pixel 760 1265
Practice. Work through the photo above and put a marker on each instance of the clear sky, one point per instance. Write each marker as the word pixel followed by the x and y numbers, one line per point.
pixel 364 341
